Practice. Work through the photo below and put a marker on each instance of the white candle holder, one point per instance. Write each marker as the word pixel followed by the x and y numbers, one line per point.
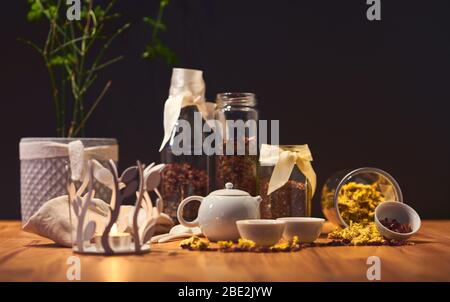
pixel 110 229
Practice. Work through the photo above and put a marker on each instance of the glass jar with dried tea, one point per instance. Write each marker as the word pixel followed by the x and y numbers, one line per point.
pixel 237 159
pixel 185 113
pixel 287 181
pixel 351 196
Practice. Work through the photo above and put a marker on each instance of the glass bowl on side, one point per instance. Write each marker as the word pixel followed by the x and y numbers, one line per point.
pixel 385 183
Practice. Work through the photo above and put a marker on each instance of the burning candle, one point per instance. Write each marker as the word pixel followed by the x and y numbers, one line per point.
pixel 117 240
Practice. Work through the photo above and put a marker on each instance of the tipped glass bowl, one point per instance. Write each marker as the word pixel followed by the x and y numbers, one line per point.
pixel 385 183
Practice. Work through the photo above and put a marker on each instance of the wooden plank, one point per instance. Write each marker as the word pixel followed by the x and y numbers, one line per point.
pixel 27 257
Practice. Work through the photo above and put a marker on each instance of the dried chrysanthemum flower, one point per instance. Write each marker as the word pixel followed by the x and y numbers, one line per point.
pixel 194 243
pixel 357 202
pixel 225 244
pixel 281 247
pixel 358 234
pixel 295 241
pixel 287 246
pixel 245 244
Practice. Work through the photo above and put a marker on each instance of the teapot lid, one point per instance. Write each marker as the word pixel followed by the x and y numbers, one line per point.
pixel 229 191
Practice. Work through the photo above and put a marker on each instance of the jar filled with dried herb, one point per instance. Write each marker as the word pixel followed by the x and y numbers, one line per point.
pixel 185 113
pixel 287 181
pixel 236 159
pixel 351 196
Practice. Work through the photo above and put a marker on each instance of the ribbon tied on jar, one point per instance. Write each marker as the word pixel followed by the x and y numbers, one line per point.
pixel 187 88
pixel 285 158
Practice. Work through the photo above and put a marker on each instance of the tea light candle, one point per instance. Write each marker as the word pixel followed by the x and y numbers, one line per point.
pixel 117 240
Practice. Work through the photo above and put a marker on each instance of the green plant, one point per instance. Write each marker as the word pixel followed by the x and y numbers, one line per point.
pixel 156 48
pixel 73 53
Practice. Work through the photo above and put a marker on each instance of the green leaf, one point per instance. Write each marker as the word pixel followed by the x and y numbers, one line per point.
pixel 164 3
pixel 35 13
pixel 166 53
pixel 99 12
pixel 153 23
pixel 62 60
pixel 51 12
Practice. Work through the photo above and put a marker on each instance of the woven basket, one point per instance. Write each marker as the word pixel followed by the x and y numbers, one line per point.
pixel 42 179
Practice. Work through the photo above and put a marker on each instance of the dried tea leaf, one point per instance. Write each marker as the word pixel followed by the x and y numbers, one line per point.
pixel 89 230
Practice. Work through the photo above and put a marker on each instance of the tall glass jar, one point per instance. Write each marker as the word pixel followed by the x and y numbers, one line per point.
pixel 293 199
pixel 186 168
pixel 238 162
pixel 184 175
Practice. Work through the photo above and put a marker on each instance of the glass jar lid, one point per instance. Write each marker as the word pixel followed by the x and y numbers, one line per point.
pixel 229 191
pixel 245 99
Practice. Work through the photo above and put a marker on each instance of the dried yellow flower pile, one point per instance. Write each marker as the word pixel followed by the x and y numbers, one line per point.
pixel 194 243
pixel 359 234
pixel 225 244
pixel 243 245
pixel 287 246
pixel 357 202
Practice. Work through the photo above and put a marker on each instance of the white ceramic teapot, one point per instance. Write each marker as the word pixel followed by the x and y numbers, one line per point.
pixel 219 212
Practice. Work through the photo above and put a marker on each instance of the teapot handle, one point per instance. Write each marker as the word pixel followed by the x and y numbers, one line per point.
pixel 189 224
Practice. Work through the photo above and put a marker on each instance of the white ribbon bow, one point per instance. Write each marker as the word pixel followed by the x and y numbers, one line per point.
pixel 284 160
pixel 187 88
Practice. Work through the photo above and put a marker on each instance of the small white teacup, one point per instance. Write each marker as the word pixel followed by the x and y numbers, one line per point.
pixel 264 232
pixel 307 229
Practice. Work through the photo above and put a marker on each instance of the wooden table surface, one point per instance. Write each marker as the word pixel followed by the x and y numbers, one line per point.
pixel 28 257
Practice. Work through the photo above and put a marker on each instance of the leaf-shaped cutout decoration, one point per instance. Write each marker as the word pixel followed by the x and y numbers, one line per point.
pixel 129 174
pixel 100 207
pixel 153 177
pixel 155 213
pixel 159 205
pixel 130 189
pixel 113 166
pixel 78 201
pixel 147 169
pixel 76 208
pixel 147 203
pixel 89 230
pixel 152 181
pixel 71 191
pixel 102 174
pixel 152 168
pixel 148 232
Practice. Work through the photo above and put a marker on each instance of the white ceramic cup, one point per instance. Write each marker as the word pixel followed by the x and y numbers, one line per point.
pixel 307 229
pixel 400 212
pixel 264 232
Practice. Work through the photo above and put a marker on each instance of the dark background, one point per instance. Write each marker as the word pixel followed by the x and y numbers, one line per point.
pixel 360 93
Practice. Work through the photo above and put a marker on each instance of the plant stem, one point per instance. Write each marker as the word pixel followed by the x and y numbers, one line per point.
pixel 86 33
pixel 158 21
pixel 91 110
